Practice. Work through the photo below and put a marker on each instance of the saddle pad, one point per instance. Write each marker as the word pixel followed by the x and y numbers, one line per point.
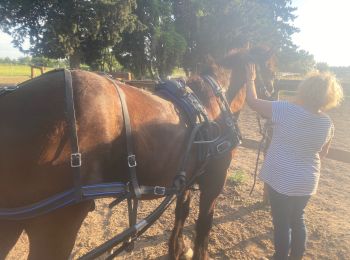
pixel 183 97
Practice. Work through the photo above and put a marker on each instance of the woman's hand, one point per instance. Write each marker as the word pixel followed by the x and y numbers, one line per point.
pixel 250 72
pixel 263 107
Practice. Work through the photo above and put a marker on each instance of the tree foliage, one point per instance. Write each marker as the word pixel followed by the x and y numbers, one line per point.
pixel 322 66
pixel 151 37
pixel 77 29
pixel 38 61
pixel 155 47
pixel 293 60
pixel 342 72
pixel 216 26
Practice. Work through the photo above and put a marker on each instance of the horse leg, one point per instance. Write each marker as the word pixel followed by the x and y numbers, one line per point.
pixel 10 232
pixel 176 242
pixel 210 185
pixel 52 236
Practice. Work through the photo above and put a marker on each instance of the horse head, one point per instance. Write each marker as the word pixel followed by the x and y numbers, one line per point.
pixel 265 63
pixel 237 59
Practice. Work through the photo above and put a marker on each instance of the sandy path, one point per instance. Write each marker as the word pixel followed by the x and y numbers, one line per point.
pixel 242 228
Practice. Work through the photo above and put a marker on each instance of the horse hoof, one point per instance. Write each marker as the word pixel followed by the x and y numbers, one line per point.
pixel 187 255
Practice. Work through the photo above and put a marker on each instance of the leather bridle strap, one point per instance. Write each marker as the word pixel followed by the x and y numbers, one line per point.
pixel 230 118
pixel 131 158
pixel 261 88
pixel 75 158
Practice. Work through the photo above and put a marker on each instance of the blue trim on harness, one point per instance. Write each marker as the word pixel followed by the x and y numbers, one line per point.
pixel 64 199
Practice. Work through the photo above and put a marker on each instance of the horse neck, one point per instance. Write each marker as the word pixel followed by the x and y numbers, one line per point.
pixel 236 92
pixel 206 95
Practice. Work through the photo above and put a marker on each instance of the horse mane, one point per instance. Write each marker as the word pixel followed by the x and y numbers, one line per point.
pixel 211 68
pixel 229 71
pixel 221 70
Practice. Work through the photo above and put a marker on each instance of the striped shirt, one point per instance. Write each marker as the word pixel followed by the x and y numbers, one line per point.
pixel 292 164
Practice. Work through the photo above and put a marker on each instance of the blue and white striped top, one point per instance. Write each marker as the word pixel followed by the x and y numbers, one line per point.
pixel 292 164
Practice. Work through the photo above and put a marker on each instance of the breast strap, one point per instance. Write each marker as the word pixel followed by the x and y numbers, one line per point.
pixel 131 157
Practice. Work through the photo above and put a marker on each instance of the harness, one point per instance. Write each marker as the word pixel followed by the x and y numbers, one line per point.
pixel 212 141
pixel 7 90
pixel 230 136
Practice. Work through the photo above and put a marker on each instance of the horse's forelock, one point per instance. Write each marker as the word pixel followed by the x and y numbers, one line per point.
pixel 261 54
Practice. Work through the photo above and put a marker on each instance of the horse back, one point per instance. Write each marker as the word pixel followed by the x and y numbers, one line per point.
pixel 35 150
pixel 35 141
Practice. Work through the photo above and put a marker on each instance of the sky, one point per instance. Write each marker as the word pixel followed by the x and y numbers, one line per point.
pixel 324 31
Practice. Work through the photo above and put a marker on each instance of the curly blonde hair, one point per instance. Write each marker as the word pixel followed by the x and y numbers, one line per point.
pixel 321 91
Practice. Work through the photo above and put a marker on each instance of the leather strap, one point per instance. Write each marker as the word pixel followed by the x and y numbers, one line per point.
pixel 131 157
pixel 75 158
pixel 157 190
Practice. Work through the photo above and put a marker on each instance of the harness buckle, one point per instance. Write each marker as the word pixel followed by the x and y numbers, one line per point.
pixel 132 161
pixel 218 91
pixel 75 160
pixel 223 147
pixel 229 122
pixel 159 190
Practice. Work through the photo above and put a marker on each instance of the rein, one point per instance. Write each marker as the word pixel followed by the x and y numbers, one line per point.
pixel 263 146
pixel 266 130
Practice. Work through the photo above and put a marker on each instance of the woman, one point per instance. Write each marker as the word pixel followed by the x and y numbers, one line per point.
pixel 302 134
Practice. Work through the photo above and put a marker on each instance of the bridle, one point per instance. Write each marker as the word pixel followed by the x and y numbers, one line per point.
pixel 263 91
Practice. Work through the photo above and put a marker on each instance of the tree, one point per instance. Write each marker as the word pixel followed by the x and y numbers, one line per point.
pixel 214 27
pixel 169 47
pixel 322 66
pixel 7 60
pixel 290 59
pixel 24 60
pixel 77 29
pixel 154 47
pixel 342 72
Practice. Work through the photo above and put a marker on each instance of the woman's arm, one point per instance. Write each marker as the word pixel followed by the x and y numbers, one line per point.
pixel 263 107
pixel 325 149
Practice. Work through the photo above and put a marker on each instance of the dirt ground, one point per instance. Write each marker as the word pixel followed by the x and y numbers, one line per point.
pixel 242 226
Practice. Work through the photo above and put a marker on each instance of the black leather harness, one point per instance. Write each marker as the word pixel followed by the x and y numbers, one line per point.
pixel 213 140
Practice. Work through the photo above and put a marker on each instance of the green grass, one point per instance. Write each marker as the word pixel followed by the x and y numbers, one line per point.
pixel 15 73
pixel 5 81
pixel 178 73
pixel 237 176
pixel 12 70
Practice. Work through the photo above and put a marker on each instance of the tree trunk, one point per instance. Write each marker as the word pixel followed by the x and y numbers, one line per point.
pixel 74 60
pixel 150 71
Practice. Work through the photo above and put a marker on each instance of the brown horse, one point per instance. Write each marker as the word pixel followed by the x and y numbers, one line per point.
pixel 35 150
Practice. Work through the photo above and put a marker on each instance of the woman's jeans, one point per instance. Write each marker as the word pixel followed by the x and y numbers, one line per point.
pixel 289 226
